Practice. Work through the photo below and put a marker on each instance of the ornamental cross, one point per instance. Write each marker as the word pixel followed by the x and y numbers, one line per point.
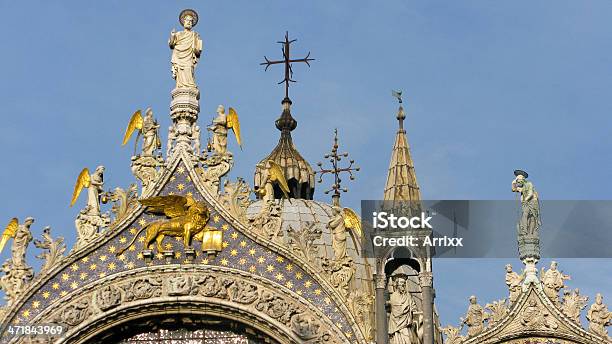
pixel 335 157
pixel 287 61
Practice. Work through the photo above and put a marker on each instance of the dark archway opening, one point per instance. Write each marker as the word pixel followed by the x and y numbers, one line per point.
pixel 183 329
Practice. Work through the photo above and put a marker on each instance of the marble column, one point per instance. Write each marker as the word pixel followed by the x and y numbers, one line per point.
pixel 426 281
pixel 382 336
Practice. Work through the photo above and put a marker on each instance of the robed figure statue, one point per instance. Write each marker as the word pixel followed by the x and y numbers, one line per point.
pixel 529 224
pixel 186 48
pixel 403 320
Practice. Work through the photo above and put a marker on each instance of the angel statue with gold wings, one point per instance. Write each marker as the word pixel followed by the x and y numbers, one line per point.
pixel 95 186
pixel 273 176
pixel 343 220
pixel 220 126
pixel 185 218
pixel 21 235
pixel 147 127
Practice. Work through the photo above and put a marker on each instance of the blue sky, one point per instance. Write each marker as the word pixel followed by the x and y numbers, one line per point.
pixel 489 87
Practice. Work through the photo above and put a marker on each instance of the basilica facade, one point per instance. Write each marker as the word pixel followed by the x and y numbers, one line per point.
pixel 188 255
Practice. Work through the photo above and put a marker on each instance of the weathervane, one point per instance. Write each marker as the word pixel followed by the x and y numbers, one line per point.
pixel 287 61
pixel 334 158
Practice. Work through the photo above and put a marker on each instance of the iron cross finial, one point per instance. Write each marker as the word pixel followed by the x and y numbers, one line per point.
pixel 335 157
pixel 287 61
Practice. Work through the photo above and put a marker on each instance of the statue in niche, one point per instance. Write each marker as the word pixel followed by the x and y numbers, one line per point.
pixel 403 321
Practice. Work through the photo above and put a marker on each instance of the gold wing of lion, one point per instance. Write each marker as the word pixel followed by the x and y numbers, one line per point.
pixel 136 122
pixel 234 124
pixel 277 175
pixel 352 221
pixel 83 181
pixel 171 206
pixel 9 232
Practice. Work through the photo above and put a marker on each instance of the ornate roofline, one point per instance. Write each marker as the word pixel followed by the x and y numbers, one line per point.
pixel 178 156
pixel 492 334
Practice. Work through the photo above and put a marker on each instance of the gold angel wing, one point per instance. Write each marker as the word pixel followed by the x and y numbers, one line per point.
pixel 83 181
pixel 234 124
pixel 171 206
pixel 136 122
pixel 277 175
pixel 352 221
pixel 9 232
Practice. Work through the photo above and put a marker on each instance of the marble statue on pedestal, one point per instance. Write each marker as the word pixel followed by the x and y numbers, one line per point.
pixel 529 223
pixel 186 48
pixel 90 219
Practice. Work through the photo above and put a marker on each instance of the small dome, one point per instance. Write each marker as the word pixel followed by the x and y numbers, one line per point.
pixel 298 172
pixel 299 214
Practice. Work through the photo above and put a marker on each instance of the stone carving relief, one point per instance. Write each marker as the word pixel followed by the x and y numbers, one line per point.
pixel 216 166
pixel 179 285
pixel 123 200
pixel 302 242
pixel 360 304
pixel 573 304
pixel 535 316
pixel 214 286
pixel 248 294
pixel 453 335
pixel 498 311
pixel 53 249
pixel 267 222
pixel 145 169
pixel 107 297
pixel 235 198
pixel 87 226
pixel 308 328
pixel 340 274
pixel 142 288
pixel 243 292
pixel 75 313
pixel 276 307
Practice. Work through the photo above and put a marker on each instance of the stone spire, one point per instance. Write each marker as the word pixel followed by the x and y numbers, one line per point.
pixel 298 172
pixel 401 180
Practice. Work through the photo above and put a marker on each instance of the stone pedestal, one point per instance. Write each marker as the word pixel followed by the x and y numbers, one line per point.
pixel 169 256
pixel 147 255
pixel 190 254
pixel 184 109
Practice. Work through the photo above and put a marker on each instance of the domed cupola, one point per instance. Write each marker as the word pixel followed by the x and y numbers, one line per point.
pixel 297 171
